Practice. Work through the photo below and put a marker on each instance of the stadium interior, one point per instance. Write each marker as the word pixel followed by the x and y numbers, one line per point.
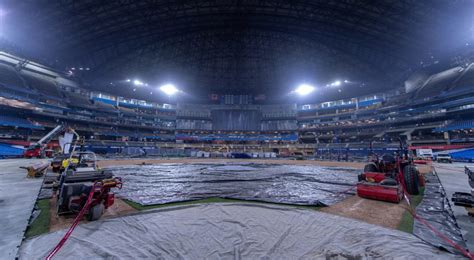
pixel 218 124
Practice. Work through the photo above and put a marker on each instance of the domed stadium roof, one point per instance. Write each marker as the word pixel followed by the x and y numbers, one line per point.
pixel 240 46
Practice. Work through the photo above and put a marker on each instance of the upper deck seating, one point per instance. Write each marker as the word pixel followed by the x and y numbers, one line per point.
pixel 45 86
pixel 78 100
pixel 438 83
pixel 17 122
pixel 9 77
pixel 466 81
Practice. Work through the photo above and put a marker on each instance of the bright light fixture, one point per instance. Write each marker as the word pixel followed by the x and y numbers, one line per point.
pixel 304 89
pixel 137 83
pixel 128 80
pixel 169 89
pixel 335 83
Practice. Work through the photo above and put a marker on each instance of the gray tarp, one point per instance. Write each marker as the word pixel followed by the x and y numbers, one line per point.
pixel 232 231
pixel 435 209
pixel 17 200
pixel 295 184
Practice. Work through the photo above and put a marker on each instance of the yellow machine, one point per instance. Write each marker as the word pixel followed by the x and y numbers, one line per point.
pixel 65 163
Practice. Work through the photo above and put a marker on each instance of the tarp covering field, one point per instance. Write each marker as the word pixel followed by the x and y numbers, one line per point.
pixel 17 200
pixel 435 209
pixel 232 231
pixel 295 184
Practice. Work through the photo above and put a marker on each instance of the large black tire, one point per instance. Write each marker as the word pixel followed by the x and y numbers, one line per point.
pixel 412 182
pixel 96 212
pixel 370 167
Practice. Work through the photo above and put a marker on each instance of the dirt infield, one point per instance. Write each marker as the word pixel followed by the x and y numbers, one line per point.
pixel 107 163
pixel 119 208
pixel 371 211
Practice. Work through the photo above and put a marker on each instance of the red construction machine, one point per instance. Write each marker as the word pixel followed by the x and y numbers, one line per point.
pixel 83 186
pixel 385 179
pixel 42 148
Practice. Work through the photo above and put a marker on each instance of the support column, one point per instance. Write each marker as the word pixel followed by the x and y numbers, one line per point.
pixel 446 137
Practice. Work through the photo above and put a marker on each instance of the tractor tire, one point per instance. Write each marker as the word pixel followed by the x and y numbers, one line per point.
pixel 412 181
pixel 96 212
pixel 371 167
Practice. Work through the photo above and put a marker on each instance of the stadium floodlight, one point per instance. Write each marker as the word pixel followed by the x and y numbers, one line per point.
pixel 128 80
pixel 335 83
pixel 169 89
pixel 137 83
pixel 304 89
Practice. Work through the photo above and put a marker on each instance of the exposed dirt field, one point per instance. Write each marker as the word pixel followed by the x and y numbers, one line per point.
pixel 107 163
pixel 470 211
pixel 371 211
pixel 119 208
pixel 424 168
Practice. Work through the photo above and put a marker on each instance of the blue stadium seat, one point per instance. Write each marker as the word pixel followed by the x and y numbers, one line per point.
pixel 7 150
pixel 17 122
pixel 458 125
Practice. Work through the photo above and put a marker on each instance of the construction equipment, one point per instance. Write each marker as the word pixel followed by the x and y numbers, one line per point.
pixel 463 198
pixel 57 164
pixel 61 161
pixel 38 149
pixel 81 178
pixel 386 178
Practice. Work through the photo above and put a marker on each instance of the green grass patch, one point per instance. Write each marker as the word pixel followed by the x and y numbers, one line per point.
pixel 41 223
pixel 406 224
pixel 209 200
